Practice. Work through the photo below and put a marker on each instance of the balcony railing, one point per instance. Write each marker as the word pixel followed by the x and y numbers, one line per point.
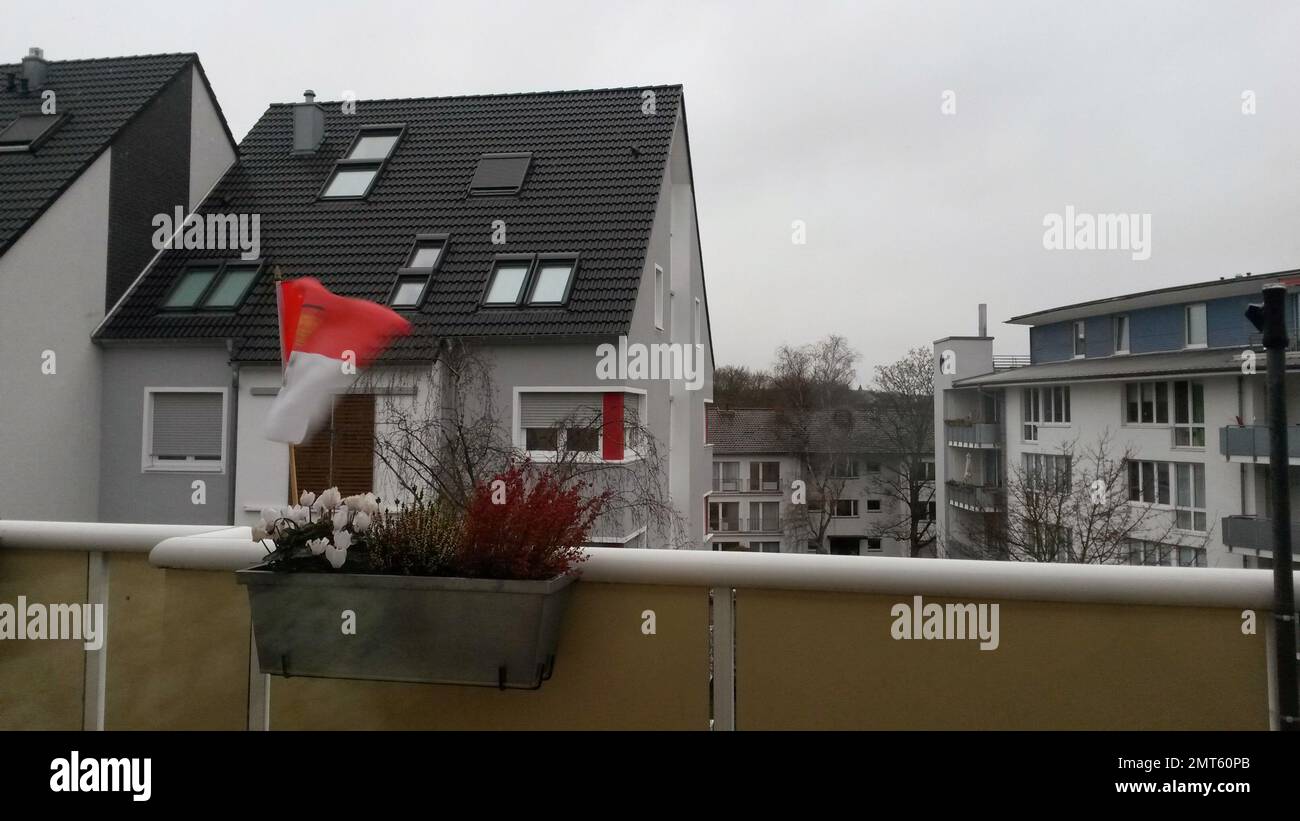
pixel 742 639
pixel 769 525
pixel 1254 533
pixel 1005 362
pixel 973 434
pixel 978 498
pixel 1292 339
pixel 773 485
pixel 1251 441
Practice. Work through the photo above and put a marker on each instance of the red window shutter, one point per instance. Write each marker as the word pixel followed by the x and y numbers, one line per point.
pixel 613 427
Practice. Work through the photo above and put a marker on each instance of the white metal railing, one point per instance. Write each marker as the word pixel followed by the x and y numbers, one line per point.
pixel 179 546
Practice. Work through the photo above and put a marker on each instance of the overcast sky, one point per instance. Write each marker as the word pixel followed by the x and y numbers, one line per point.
pixel 832 113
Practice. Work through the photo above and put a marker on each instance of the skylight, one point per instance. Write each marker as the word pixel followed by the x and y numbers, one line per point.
pixel 355 174
pixel 551 282
pixel 531 279
pixel 500 173
pixel 413 278
pixel 212 287
pixel 28 131
pixel 506 282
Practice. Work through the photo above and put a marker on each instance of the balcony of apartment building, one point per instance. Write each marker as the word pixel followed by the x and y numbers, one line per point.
pixel 725 518
pixel 757 477
pixel 1249 443
pixel 979 498
pixel 963 433
pixel 1253 535
pixel 741 639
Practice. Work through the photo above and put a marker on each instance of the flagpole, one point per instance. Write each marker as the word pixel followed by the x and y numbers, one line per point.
pixel 279 313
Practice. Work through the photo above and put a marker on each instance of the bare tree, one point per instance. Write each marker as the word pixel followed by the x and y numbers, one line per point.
pixel 736 386
pixel 453 439
pixel 1074 506
pixel 902 408
pixel 822 443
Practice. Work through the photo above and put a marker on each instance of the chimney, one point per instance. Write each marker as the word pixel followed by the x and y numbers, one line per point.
pixel 35 68
pixel 984 319
pixel 308 124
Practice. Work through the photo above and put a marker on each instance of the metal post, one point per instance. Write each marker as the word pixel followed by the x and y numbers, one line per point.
pixel 1271 319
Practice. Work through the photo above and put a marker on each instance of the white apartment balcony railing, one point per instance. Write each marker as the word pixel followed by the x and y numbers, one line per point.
pixel 742 638
pixel 747 485
pixel 1249 443
pixel 769 525
pixel 1006 362
pixel 973 434
pixel 977 498
pixel 1253 534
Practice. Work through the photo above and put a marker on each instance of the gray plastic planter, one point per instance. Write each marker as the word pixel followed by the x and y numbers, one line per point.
pixel 482 632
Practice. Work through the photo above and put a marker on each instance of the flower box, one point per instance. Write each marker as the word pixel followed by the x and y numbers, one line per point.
pixel 435 630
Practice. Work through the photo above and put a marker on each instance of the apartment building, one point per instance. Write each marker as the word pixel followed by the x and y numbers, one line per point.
pixel 756 461
pixel 1174 378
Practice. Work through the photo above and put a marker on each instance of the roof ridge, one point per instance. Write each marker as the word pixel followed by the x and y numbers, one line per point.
pixel 191 54
pixel 496 95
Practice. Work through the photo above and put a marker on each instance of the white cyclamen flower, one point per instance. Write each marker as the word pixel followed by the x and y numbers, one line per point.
pixel 269 515
pixel 318 546
pixel 300 514
pixel 361 522
pixel 356 502
pixel 330 499
pixel 340 519
pixel 372 504
pixel 342 539
pixel 259 533
pixel 336 555
pixel 307 498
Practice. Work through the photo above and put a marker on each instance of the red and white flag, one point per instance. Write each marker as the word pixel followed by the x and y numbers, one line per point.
pixel 325 340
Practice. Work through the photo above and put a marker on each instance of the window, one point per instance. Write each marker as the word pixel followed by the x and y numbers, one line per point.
pixel 554 421
pixel 215 286
pixel 726 476
pixel 582 440
pixel 724 517
pixel 551 282
pixel 425 254
pixel 500 174
pixel 1156 554
pixel 1189 503
pixel 764 516
pixel 542 439
pixel 1146 403
pixel 409 292
pixel 928 511
pixel 506 282
pixel 184 429
pixel 926 471
pixel 1189 414
pixel 765 476
pixel 846 467
pixel 28 131
pixel 1045 406
pixel 1121 334
pixel 354 176
pixel 845 508
pixel 872 468
pixel 873 505
pixel 659 297
pixel 873 545
pixel 1047 471
pixel 1195 325
pixel 342 453
pixel 1080 339
pixel 1148 482
pixel 766 547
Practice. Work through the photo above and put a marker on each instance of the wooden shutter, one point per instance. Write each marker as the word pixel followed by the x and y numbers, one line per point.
pixel 186 424
pixel 342 453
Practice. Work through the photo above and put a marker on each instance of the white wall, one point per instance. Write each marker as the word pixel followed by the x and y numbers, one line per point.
pixel 211 152
pixel 51 299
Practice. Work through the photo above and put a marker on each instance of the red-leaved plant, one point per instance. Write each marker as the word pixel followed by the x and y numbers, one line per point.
pixel 530 528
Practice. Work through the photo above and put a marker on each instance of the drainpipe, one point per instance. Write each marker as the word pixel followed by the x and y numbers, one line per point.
pixel 233 443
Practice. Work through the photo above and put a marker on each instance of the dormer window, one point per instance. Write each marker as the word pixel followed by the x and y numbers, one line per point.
pixel 543 280
pixel 354 176
pixel 215 286
pixel 500 174
pixel 28 131
pixel 413 278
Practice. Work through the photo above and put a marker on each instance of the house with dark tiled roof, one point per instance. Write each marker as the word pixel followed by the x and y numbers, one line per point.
pixel 533 228
pixel 759 454
pixel 90 151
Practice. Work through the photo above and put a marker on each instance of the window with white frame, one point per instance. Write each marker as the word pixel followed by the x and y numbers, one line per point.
pixel 1121 333
pixel 764 516
pixel 726 476
pixel 1045 406
pixel 1146 403
pixel 552 422
pixel 1080 339
pixel 1029 414
pixel 1189 498
pixel 873 505
pixel 1149 482
pixel 659 297
pixel 1047 471
pixel 765 476
pixel 184 429
pixel 1142 552
pixel 1194 326
pixel 873 545
pixel 845 509
pixel 724 517
pixel 1189 414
